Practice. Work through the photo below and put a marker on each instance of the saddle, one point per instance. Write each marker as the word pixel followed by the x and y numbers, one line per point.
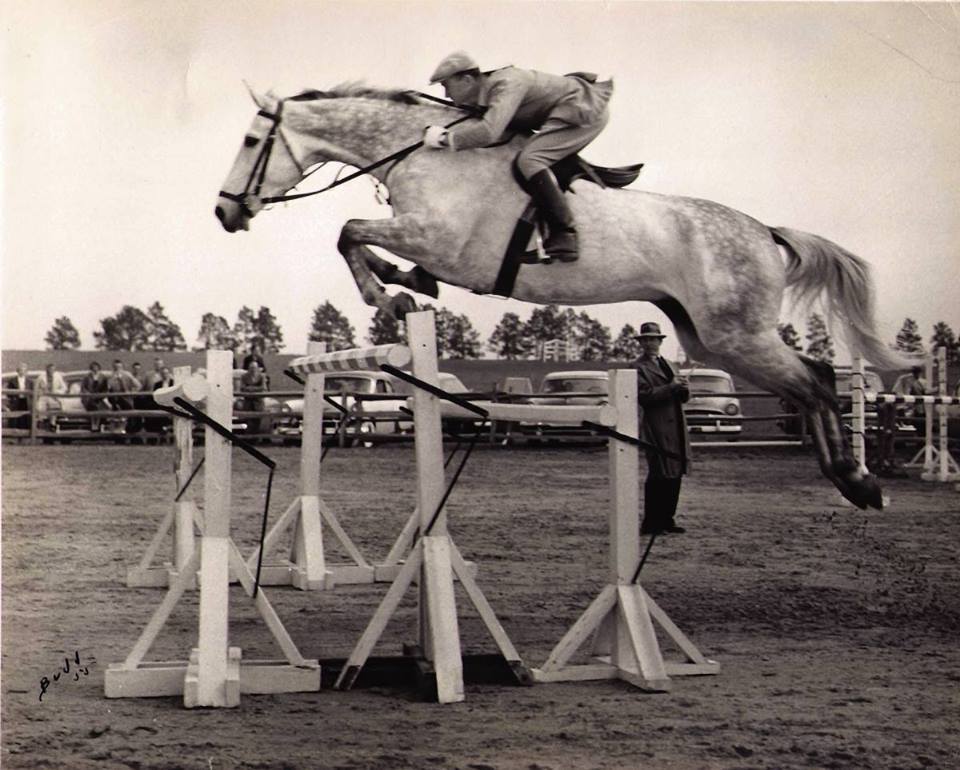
pixel 567 171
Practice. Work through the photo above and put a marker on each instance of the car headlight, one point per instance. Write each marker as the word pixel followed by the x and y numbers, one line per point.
pixel 732 409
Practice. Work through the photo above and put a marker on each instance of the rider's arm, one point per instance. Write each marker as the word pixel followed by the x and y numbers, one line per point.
pixel 505 97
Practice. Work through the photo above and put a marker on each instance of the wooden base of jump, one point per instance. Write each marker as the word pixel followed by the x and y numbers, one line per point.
pixel 432 560
pixel 620 621
pixel 214 674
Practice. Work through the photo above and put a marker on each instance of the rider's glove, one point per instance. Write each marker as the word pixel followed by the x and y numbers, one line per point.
pixel 435 137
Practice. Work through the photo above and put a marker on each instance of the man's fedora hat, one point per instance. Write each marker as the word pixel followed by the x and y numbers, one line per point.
pixel 650 329
pixel 454 64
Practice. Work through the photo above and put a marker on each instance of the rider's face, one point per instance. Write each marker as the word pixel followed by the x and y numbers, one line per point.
pixel 462 89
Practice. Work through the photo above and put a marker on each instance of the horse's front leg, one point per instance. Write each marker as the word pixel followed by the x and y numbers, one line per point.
pixel 406 236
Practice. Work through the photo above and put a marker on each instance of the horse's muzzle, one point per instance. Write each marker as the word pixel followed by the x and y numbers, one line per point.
pixel 239 220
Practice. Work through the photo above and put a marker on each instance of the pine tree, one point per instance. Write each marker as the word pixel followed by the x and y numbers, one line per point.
pixel 127 330
pixel 163 334
pixel 819 344
pixel 909 339
pixel 626 347
pixel 462 340
pixel 545 323
pixel 507 340
pixel 943 337
pixel 384 328
pixel 215 333
pixel 269 334
pixel 331 326
pixel 245 329
pixel 63 335
pixel 591 338
pixel 790 336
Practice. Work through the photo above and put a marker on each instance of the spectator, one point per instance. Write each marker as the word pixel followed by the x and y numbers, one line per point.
pixel 661 393
pixel 254 380
pixel 150 381
pixel 913 384
pixel 135 424
pixel 18 402
pixel 93 384
pixel 255 354
pixel 159 379
pixel 119 382
pixel 50 381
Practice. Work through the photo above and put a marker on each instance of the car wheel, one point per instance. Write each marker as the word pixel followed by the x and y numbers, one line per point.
pixel 366 426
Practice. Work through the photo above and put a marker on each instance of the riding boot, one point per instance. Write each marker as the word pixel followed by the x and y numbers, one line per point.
pixel 561 242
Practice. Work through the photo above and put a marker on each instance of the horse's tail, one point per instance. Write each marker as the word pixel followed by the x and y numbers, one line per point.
pixel 815 267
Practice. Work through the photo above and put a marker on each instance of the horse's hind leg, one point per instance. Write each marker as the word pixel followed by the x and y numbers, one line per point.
pixel 766 361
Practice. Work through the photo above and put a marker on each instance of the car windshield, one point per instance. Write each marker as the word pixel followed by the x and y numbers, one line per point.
pixel 710 384
pixel 349 384
pixel 575 385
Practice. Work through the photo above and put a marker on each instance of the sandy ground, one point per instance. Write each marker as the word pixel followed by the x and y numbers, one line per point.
pixel 836 629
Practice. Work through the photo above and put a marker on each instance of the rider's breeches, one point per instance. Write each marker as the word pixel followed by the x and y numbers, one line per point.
pixel 555 140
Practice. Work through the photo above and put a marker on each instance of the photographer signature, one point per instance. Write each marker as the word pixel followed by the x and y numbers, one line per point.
pixel 64 671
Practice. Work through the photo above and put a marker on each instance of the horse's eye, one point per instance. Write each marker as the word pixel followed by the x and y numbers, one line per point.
pixel 250 141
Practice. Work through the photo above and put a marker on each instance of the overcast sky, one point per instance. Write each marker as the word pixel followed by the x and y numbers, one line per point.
pixel 121 119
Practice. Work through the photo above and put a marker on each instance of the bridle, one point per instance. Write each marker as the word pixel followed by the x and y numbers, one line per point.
pixel 259 170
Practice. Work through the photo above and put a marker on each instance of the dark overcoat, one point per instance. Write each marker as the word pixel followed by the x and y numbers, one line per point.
pixel 661 418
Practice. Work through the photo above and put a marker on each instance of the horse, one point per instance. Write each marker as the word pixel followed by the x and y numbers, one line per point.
pixel 718 274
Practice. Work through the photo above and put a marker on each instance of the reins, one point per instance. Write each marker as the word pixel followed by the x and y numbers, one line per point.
pixel 259 170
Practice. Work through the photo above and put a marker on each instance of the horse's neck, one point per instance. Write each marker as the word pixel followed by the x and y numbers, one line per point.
pixel 348 129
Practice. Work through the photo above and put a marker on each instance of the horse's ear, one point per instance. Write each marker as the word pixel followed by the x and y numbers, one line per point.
pixel 258 100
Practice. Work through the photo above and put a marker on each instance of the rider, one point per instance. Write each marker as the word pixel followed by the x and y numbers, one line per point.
pixel 567 112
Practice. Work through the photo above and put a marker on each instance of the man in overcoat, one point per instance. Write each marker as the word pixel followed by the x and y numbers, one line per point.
pixel 661 394
pixel 567 112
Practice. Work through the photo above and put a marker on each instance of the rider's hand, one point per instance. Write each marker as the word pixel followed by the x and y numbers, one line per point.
pixel 435 137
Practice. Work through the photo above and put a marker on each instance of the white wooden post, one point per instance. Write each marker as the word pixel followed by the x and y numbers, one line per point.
pixel 858 421
pixel 214 665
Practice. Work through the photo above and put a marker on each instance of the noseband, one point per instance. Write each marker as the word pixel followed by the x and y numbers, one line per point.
pixel 259 170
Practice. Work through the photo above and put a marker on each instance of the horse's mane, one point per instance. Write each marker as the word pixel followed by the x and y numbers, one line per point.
pixel 357 88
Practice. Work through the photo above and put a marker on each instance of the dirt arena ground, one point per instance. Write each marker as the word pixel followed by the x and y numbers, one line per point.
pixel 836 629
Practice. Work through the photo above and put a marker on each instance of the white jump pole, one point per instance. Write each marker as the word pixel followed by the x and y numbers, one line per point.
pixel 621 619
pixel 214 675
pixel 181 518
pixel 433 559
pixel 307 567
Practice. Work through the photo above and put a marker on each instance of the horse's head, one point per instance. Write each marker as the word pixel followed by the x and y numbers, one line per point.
pixel 266 166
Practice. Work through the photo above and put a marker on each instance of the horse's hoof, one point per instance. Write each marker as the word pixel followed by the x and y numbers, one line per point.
pixel 402 304
pixel 863 492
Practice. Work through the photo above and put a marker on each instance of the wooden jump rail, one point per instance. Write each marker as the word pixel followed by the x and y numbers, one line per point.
pixel 214 674
pixel 307 567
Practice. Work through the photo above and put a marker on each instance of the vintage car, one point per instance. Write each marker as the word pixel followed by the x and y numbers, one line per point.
pixel 706 413
pixel 378 413
pixel 713 406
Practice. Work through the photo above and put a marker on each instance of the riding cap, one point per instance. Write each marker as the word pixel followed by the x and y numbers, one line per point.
pixel 454 64
pixel 650 329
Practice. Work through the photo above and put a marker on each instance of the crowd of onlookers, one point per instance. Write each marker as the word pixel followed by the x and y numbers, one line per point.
pixel 118 390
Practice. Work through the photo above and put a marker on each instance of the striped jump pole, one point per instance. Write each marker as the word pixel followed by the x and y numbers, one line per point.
pixel 307 567
pixel 214 675
pixel 939 464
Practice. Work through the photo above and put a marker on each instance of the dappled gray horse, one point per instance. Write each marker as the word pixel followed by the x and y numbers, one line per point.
pixel 719 275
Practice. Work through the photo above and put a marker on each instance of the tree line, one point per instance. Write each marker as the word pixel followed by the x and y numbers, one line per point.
pixel 513 338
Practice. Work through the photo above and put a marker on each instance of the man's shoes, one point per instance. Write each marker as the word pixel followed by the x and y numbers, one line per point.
pixel 670 529
pixel 675 529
